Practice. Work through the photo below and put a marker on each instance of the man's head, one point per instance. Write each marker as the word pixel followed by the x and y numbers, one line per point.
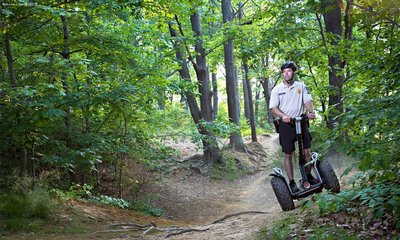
pixel 288 70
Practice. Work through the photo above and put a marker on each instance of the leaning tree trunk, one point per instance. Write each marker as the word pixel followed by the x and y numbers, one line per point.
pixel 236 140
pixel 333 25
pixel 211 151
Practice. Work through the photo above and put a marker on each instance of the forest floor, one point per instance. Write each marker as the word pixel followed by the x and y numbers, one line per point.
pixel 196 206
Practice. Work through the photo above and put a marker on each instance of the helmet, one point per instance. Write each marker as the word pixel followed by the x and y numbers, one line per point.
pixel 289 64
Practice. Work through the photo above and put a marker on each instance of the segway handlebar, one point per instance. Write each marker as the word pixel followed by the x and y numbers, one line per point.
pixel 301 118
pixel 294 120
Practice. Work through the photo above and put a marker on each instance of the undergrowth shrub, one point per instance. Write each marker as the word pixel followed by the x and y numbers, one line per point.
pixel 145 207
pixel 84 193
pixel 24 211
pixel 381 197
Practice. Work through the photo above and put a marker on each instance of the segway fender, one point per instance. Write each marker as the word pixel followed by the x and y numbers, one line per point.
pixel 277 173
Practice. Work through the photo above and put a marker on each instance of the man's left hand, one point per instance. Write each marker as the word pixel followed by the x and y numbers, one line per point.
pixel 311 115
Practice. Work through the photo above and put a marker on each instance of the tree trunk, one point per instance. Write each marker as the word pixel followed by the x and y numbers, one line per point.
pixel 266 89
pixel 246 105
pixel 333 24
pixel 10 61
pixel 348 30
pixel 236 140
pixel 201 69
pixel 211 150
pixel 215 95
pixel 185 76
pixel 67 120
pixel 250 101
pixel 65 55
pixel 257 102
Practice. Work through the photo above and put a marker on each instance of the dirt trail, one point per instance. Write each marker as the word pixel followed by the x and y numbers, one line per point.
pixel 197 202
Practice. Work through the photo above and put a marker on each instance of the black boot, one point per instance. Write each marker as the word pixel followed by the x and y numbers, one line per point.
pixel 311 179
pixel 293 186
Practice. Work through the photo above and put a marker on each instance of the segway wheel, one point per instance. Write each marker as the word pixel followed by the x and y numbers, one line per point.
pixel 329 177
pixel 282 193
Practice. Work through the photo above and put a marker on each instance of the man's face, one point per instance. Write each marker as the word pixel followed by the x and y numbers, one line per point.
pixel 288 75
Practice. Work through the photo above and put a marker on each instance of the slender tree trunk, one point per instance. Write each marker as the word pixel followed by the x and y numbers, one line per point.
pixel 10 62
pixel 215 95
pixel 333 24
pixel 2 69
pixel 250 100
pixel 257 102
pixel 23 153
pixel 67 120
pixel 266 90
pixel 246 104
pixel 348 31
pixel 212 30
pixel 236 140
pixel 66 56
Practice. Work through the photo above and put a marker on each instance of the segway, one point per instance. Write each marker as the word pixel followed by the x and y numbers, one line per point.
pixel 322 170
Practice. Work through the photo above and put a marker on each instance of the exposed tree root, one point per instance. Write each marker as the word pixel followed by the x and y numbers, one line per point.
pixel 237 214
pixel 181 231
pixel 122 227
pixel 170 231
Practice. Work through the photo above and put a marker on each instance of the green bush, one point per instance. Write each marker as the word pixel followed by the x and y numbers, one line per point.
pixel 144 206
pixel 107 200
pixel 24 211
pixel 379 197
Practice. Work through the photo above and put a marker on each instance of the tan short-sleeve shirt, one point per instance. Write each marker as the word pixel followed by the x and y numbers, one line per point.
pixel 290 100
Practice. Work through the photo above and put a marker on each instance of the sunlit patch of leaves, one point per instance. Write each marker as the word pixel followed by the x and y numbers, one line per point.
pixel 371 209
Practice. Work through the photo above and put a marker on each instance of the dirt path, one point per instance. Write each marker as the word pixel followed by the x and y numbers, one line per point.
pixel 197 202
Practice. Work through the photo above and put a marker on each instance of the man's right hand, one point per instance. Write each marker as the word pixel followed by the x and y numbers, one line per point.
pixel 286 119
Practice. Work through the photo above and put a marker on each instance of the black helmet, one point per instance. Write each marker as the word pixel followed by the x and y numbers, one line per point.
pixel 289 64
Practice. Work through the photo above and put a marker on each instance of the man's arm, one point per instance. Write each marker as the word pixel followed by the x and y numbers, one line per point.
pixel 278 113
pixel 310 110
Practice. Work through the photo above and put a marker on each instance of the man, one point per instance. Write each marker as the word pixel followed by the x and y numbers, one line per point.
pixel 291 99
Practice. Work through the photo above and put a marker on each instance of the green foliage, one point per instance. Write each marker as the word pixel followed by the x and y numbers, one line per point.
pixel 303 226
pixel 220 127
pixel 379 196
pixel 75 192
pixel 107 200
pixel 84 193
pixel 280 230
pixel 144 205
pixel 24 212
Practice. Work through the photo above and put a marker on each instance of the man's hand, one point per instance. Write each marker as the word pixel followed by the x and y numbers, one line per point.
pixel 286 119
pixel 311 115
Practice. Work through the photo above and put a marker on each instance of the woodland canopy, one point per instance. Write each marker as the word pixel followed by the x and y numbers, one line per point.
pixel 88 88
